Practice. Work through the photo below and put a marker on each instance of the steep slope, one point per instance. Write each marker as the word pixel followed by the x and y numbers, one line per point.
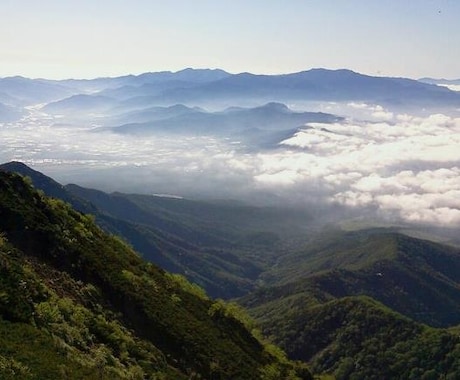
pixel 161 236
pixel 48 185
pixel 83 295
pixel 221 246
pixel 179 241
pixel 95 309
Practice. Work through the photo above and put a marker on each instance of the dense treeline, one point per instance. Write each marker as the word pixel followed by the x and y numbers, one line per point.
pixel 359 338
pixel 325 315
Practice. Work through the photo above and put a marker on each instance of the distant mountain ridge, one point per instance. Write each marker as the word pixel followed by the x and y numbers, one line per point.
pixel 269 117
pixel 24 91
pixel 192 86
pixel 440 81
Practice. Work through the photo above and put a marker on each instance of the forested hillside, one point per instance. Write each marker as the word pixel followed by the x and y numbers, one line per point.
pixel 418 278
pixel 222 246
pixel 77 303
pixel 362 305
pixel 366 304
pixel 359 338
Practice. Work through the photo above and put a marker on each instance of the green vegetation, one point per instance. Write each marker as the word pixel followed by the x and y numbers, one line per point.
pixel 358 338
pixel 78 303
pixel 222 246
pixel 325 316
pixel 350 305
pixel 417 278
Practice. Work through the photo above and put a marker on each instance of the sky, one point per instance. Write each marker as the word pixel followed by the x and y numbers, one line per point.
pixel 86 39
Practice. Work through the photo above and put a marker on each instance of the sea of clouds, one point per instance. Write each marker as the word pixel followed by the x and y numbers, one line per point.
pixel 396 166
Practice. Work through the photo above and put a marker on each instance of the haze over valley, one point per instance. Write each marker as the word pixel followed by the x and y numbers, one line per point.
pixel 383 148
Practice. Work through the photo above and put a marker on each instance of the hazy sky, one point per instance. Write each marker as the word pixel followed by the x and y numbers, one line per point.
pixel 88 38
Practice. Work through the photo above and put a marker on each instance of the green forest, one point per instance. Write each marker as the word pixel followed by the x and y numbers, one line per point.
pixel 98 286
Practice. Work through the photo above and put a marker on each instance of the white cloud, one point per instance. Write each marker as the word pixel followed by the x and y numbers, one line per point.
pixel 374 111
pixel 405 166
pixel 409 168
pixel 453 87
pixel 383 115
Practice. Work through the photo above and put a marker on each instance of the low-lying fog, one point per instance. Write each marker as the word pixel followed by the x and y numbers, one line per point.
pixel 391 165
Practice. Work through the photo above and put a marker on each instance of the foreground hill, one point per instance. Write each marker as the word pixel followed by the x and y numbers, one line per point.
pixel 78 303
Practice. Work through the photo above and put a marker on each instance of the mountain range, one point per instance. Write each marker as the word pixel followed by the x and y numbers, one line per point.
pixel 198 87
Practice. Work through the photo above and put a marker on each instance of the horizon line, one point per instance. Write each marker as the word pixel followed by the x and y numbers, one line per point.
pixel 137 74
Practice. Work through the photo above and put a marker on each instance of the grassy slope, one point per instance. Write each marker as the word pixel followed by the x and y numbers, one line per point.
pixel 66 281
